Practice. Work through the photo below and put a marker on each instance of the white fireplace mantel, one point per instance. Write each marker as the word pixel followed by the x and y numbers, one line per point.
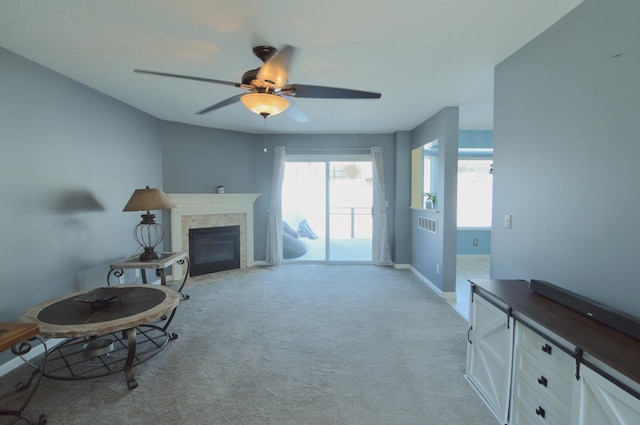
pixel 211 203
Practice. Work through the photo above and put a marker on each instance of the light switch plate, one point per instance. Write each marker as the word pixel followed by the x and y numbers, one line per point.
pixel 507 221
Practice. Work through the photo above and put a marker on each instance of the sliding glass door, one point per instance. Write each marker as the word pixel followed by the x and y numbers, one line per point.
pixel 350 205
pixel 326 207
pixel 304 205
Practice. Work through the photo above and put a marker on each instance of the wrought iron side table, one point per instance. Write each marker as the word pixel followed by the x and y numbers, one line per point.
pixel 166 259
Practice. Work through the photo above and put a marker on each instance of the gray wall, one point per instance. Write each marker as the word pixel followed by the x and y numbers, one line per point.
pixel 198 159
pixel 70 159
pixel 468 237
pixel 567 146
pixel 434 255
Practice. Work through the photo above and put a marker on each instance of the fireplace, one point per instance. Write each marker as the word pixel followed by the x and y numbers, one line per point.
pixel 199 210
pixel 214 249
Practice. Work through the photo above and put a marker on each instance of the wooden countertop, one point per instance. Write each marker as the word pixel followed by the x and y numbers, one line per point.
pixel 611 347
pixel 14 333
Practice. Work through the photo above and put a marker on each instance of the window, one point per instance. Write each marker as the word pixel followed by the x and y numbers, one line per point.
pixel 475 192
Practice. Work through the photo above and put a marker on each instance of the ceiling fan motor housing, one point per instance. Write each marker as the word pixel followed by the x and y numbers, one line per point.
pixel 264 52
pixel 250 77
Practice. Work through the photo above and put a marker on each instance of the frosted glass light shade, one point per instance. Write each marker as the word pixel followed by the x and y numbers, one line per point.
pixel 265 104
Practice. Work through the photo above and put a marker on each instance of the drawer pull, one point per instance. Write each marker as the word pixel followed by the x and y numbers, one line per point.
pixel 542 381
pixel 546 348
pixel 540 412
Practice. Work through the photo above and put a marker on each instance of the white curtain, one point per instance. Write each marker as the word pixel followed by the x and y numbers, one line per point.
pixel 274 223
pixel 381 250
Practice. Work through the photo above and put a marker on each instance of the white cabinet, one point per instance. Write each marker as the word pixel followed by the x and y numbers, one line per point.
pixel 489 354
pixel 597 401
pixel 536 362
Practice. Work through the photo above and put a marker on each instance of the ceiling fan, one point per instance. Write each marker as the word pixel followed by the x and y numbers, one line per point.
pixel 268 86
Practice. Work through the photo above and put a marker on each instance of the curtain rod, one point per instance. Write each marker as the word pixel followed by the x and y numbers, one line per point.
pixel 368 149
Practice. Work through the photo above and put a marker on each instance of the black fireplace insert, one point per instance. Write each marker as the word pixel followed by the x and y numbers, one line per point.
pixel 214 249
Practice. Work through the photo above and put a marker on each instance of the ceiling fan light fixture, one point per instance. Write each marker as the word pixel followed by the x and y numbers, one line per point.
pixel 264 104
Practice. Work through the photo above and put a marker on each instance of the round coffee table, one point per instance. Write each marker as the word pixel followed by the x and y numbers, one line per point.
pixel 109 329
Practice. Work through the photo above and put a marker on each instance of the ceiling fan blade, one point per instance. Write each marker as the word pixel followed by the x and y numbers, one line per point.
pixel 187 77
pixel 295 112
pixel 226 102
pixel 320 92
pixel 275 71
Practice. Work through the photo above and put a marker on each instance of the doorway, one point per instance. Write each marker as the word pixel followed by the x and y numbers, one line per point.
pixel 326 209
pixel 475 193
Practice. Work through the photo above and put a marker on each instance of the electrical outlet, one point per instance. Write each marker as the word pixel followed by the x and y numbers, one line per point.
pixel 437 268
pixel 121 280
pixel 137 271
pixel 475 242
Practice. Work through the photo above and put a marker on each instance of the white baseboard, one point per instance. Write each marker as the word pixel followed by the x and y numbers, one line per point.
pixel 449 296
pixel 36 351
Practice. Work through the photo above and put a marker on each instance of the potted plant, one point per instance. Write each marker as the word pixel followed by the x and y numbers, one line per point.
pixel 430 201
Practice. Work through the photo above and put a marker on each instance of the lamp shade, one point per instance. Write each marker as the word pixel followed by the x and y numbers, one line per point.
pixel 264 104
pixel 148 199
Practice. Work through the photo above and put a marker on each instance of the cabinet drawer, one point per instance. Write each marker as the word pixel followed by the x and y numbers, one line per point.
pixel 520 416
pixel 530 407
pixel 550 355
pixel 554 387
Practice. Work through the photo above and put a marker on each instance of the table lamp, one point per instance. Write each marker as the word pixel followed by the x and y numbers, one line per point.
pixel 148 233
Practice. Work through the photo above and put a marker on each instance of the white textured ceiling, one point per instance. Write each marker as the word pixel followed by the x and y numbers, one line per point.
pixel 422 55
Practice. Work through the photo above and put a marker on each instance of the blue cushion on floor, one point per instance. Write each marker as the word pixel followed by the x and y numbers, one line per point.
pixel 292 247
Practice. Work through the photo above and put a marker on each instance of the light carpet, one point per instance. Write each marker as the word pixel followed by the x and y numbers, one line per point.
pixel 291 344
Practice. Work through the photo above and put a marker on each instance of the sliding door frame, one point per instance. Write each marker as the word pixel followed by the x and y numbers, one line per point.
pixel 327 159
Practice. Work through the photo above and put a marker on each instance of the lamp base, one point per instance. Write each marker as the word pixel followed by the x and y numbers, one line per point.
pixel 149 254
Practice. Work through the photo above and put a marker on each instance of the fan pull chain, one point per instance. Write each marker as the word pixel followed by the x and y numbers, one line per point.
pixel 265 133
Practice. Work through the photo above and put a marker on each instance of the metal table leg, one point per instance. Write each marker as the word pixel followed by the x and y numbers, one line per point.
pixel 116 272
pixel 75 360
pixel 30 386
pixel 186 275
pixel 130 335
pixel 161 273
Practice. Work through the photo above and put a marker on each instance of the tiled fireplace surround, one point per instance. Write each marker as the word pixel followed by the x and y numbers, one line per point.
pixel 201 210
